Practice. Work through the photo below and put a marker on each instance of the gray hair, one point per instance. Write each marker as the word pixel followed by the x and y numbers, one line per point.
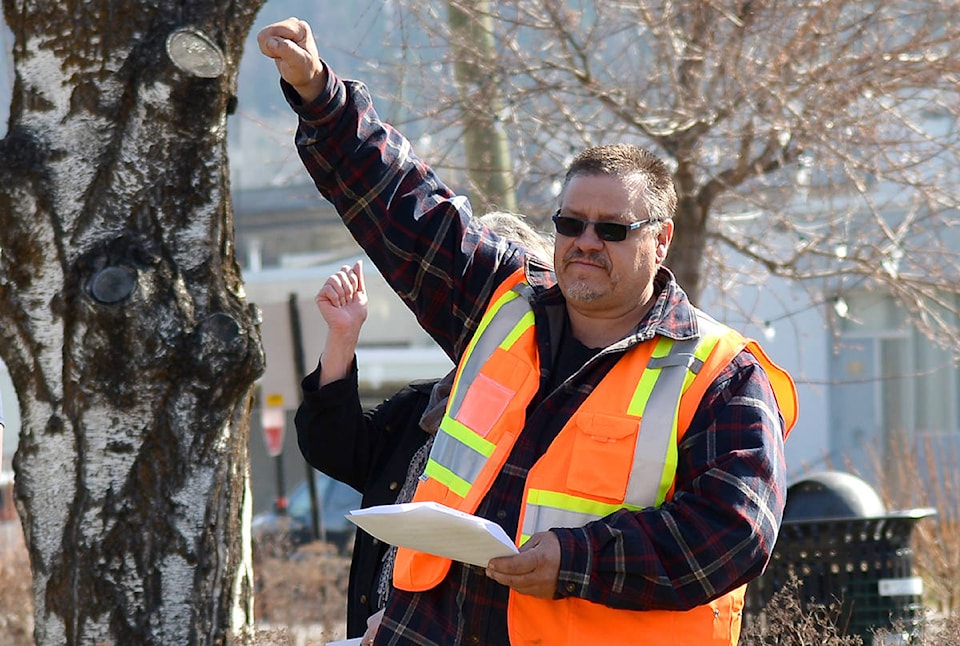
pixel 513 227
pixel 658 194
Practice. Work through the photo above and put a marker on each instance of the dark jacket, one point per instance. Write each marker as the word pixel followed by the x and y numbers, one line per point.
pixel 368 450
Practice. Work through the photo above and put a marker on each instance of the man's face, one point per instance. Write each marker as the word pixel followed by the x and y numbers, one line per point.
pixel 606 279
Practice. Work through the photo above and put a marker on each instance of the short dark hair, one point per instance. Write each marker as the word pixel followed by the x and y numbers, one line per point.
pixel 659 194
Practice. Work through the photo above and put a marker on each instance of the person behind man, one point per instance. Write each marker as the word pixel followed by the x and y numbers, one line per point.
pixel 381 452
pixel 631 444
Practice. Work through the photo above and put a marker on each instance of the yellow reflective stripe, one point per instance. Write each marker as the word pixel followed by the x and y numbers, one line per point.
pixel 524 324
pixel 447 478
pixel 668 475
pixel 704 347
pixel 466 436
pixel 663 348
pixel 544 498
pixel 642 394
pixel 568 506
pixel 484 323
pixel 648 379
pixel 703 350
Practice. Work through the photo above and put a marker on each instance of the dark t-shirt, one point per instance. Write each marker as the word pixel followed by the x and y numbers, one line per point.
pixel 571 356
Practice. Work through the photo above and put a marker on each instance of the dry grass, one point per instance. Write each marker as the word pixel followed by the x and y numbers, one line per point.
pixel 788 621
pixel 926 475
pixel 16 598
pixel 303 587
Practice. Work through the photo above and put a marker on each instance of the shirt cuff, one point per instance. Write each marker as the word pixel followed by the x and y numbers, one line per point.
pixel 310 386
pixel 573 580
pixel 322 109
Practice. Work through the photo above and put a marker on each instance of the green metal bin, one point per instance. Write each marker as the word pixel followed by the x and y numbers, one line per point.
pixel 862 564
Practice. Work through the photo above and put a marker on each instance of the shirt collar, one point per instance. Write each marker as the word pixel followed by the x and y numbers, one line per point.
pixel 672 315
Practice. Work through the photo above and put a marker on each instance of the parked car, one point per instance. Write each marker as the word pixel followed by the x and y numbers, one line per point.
pixel 334 501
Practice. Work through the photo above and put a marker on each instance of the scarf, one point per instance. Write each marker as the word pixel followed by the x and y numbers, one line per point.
pixel 430 423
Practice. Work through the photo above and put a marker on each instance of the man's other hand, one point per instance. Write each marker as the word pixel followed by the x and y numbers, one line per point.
pixel 534 570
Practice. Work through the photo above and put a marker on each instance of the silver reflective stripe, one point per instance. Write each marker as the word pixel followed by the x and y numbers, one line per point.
pixel 503 322
pixel 456 456
pixel 656 425
pixel 447 451
pixel 541 518
pixel 685 359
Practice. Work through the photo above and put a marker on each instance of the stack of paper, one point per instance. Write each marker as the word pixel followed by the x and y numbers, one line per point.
pixel 436 529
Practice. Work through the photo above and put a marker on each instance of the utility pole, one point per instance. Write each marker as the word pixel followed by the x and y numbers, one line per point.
pixel 318 531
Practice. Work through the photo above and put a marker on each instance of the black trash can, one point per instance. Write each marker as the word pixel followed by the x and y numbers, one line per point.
pixel 846 549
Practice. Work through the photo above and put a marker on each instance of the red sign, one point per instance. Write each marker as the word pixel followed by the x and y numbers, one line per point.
pixel 273 425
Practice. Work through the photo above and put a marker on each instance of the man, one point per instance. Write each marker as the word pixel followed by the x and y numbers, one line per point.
pixel 633 445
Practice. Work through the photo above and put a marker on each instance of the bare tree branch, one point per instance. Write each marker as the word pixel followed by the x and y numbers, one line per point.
pixel 833 124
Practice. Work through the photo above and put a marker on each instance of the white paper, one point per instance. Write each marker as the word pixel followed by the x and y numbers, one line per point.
pixel 436 529
pixel 356 641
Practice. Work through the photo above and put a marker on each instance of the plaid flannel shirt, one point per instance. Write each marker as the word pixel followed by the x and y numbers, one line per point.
pixel 720 527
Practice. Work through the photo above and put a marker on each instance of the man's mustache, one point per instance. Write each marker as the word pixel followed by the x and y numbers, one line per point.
pixel 594 258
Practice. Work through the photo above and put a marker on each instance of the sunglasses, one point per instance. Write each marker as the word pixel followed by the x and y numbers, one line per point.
pixel 606 231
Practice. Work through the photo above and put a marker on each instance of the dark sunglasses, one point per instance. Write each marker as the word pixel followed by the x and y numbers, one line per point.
pixel 606 231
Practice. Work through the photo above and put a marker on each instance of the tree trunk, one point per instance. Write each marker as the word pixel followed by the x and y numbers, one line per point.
pixel 689 246
pixel 123 323
pixel 484 137
pixel 688 249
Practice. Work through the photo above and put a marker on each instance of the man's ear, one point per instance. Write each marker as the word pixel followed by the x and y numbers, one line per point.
pixel 664 236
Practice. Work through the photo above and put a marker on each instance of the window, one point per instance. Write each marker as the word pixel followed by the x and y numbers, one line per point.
pixel 889 381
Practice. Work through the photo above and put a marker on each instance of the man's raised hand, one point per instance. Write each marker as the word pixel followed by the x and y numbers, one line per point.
pixel 291 45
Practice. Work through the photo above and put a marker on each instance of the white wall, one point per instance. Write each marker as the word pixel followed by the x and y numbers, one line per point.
pixel 801 345
pixel 393 346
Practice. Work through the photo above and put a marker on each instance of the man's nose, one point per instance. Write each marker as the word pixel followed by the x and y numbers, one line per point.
pixel 588 238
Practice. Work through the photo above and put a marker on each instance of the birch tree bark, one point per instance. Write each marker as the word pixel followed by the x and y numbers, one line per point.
pixel 123 321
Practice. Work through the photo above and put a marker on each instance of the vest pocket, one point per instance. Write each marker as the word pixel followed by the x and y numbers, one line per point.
pixel 492 393
pixel 483 404
pixel 602 455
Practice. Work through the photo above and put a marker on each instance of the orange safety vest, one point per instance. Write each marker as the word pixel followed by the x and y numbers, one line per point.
pixel 618 450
